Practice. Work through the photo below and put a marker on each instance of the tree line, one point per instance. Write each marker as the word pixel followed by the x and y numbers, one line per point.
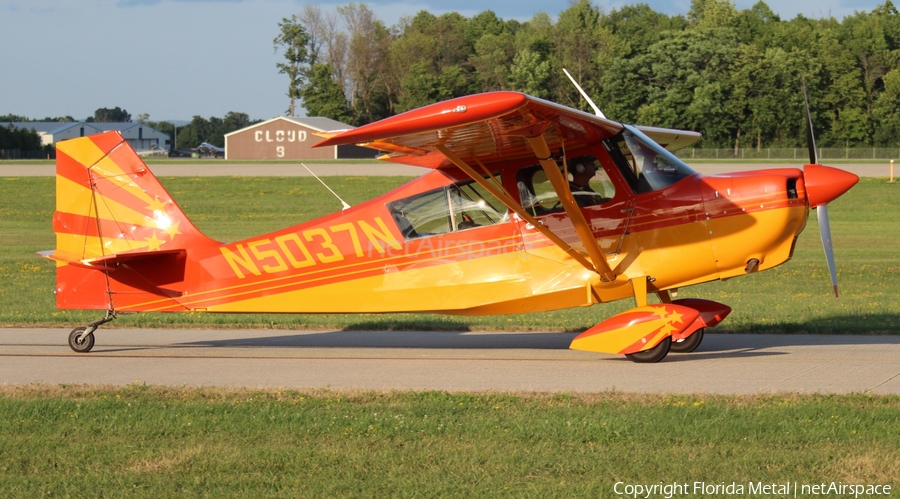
pixel 187 136
pixel 200 129
pixel 733 75
pixel 16 138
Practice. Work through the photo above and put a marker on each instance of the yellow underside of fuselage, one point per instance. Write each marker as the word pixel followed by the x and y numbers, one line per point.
pixel 547 278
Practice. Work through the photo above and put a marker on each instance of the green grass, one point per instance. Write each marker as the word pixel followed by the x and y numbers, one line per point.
pixel 793 298
pixel 141 441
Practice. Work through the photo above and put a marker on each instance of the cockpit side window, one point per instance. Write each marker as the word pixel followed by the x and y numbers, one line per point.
pixel 588 181
pixel 646 165
pixel 460 206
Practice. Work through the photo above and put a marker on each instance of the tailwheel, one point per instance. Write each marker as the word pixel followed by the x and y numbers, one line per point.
pixel 689 344
pixel 80 340
pixel 652 355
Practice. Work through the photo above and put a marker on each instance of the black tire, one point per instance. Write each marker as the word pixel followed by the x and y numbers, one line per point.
pixel 655 354
pixel 688 345
pixel 80 342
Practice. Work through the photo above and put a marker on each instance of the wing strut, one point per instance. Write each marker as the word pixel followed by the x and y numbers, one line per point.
pixel 561 186
pixel 514 206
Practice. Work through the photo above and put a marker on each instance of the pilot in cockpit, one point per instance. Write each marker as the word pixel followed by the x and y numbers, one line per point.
pixel 582 170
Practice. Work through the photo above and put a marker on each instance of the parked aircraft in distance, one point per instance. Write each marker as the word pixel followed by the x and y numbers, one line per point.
pixel 208 150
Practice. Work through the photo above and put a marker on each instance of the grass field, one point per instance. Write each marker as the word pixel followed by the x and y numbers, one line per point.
pixel 794 298
pixel 140 441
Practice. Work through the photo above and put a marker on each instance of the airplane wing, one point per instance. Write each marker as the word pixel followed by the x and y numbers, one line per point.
pixel 490 130
pixel 490 127
pixel 671 139
pixel 487 127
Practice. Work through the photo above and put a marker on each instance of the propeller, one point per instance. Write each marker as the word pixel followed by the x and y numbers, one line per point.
pixel 823 183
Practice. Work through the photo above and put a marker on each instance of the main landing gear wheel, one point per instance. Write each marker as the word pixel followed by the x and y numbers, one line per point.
pixel 688 345
pixel 655 354
pixel 80 341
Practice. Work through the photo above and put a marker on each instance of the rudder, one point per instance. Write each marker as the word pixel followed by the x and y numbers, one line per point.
pixel 110 209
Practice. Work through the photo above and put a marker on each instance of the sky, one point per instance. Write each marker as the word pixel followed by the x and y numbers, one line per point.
pixel 175 59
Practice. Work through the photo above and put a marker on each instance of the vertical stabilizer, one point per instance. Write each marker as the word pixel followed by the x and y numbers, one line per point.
pixel 112 216
pixel 108 203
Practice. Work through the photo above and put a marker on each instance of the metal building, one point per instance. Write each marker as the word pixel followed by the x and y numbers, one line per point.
pixel 140 136
pixel 289 138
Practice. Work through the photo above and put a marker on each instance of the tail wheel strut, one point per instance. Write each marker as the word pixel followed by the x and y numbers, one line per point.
pixel 81 339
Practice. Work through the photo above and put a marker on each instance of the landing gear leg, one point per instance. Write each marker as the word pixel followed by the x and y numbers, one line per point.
pixel 81 339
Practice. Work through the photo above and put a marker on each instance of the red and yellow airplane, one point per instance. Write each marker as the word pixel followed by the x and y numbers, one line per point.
pixel 530 206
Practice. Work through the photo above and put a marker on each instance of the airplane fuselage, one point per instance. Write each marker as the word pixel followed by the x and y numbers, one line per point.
pixel 695 230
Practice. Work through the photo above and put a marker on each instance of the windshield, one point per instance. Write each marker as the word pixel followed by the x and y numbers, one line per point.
pixel 647 165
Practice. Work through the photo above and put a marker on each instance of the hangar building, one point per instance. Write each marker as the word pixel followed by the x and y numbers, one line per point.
pixel 289 138
pixel 140 136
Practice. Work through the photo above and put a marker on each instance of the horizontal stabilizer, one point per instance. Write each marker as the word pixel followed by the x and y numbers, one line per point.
pixel 109 262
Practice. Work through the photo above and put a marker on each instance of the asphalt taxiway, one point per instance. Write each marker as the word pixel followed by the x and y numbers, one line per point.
pixel 454 361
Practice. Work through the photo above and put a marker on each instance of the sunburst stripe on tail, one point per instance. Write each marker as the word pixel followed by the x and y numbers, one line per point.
pixel 114 219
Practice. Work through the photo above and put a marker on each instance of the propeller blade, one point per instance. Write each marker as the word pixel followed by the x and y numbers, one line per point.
pixel 810 136
pixel 825 232
pixel 823 184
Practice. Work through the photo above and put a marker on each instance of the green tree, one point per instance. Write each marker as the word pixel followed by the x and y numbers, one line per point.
pixel 536 35
pixel 412 73
pixel 530 73
pixel 430 60
pixel 886 114
pixel 756 24
pixel 481 24
pixel 637 27
pixel 492 59
pixel 582 45
pixel 60 119
pixel 712 13
pixel 419 88
pixel 235 121
pixel 838 99
pixel 766 101
pixel 166 128
pixel 14 118
pixel 324 96
pixel 871 41
pixel 367 64
pixel 680 82
pixel 292 39
pixel 106 115
pixel 24 139
pixel 187 137
pixel 203 129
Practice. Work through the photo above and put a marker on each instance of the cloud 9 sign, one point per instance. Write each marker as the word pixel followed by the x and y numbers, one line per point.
pixel 278 137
